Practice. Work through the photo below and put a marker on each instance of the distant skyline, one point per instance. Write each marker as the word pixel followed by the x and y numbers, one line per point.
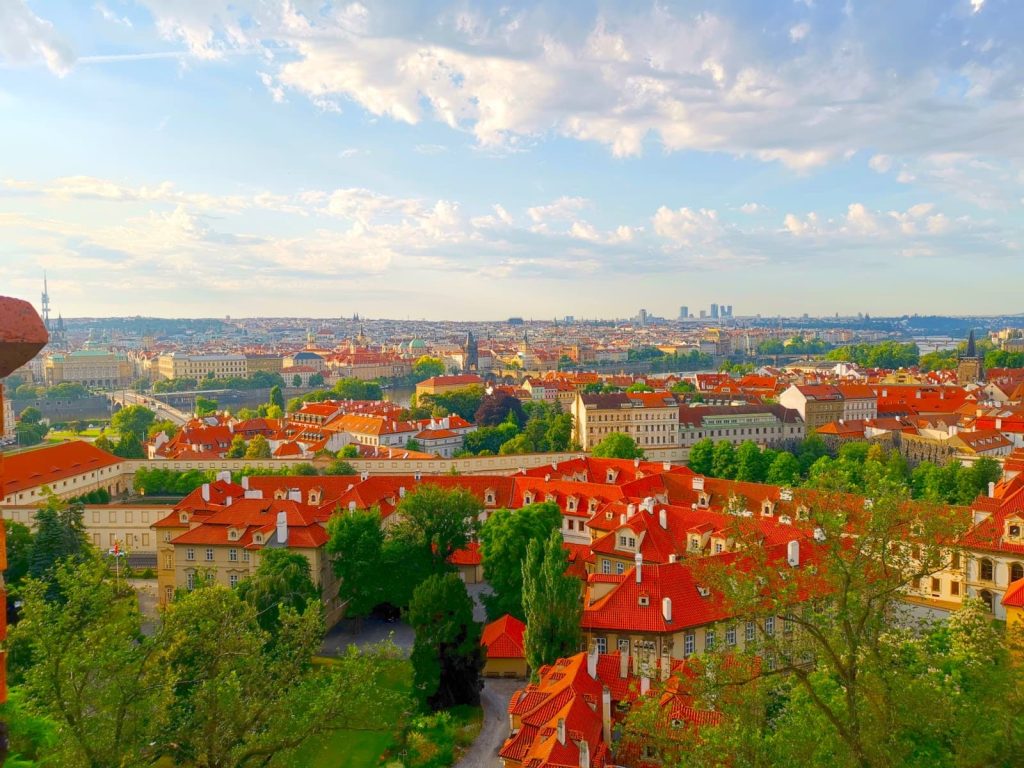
pixel 472 161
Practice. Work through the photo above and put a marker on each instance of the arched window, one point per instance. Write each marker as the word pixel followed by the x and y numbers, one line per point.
pixel 1016 571
pixel 985 569
pixel 986 597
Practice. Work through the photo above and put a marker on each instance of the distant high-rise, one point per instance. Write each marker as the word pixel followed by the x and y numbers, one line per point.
pixel 714 311
pixel 684 312
pixel 728 311
pixel 703 314
pixel 641 317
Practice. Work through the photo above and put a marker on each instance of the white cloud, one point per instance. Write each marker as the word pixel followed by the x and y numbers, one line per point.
pixel 26 39
pixel 751 208
pixel 880 163
pixel 799 31
pixel 583 230
pixel 977 5
pixel 561 209
pixel 687 226
pixel 112 17
pixel 275 90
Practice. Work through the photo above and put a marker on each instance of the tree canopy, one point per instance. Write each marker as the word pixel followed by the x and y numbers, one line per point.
pixel 551 602
pixel 617 445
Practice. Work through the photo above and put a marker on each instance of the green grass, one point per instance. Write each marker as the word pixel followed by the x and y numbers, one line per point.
pixel 357 749
pixel 60 435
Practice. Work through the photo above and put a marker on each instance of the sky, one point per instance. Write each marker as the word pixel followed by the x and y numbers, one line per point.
pixel 476 160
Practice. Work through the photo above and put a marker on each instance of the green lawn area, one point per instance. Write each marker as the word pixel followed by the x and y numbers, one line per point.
pixel 357 749
pixel 60 435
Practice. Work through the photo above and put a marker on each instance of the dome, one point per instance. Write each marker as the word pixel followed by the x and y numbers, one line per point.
pixel 417 344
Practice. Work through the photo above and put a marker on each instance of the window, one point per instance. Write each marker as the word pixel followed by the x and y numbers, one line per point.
pixel 954 588
pixel 168 562
pixel 631 542
pixel 620 568
pixel 190 580
pixel 769 626
pixel 748 633
pixel 606 566
pixel 245 555
pixel 709 640
pixel 718 547
pixel 986 569
pixel 936 586
pixel 190 554
pixel 145 539
pixel 209 554
pixel 730 637
pixel 1016 571
pixel 129 517
pixel 168 594
pixel 233 579
pixel 623 645
pixel 602 644
pixel 622 541
pixel 95 516
pixel 689 641
pixel 233 555
pixel 111 517
pixel 956 561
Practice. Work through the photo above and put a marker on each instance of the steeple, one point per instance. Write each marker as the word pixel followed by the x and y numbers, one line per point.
pixel 971 351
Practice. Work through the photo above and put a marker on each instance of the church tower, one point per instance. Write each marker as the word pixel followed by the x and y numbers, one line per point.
pixel 970 365
pixel 470 353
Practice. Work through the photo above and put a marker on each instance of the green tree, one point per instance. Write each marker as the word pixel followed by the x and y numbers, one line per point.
pixel 427 367
pixel 617 445
pixel 350 451
pixel 276 397
pixel 446 656
pixel 810 450
pixel 723 463
pixel 356 546
pixel 258 448
pixel 440 520
pixel 30 434
pixel 551 602
pixel 60 535
pixel 205 406
pixel 129 447
pixel 340 467
pixel 848 684
pixel 702 456
pixel 316 380
pixel 296 380
pixel 133 420
pixel 465 401
pixel 30 415
pixel 750 463
pixel 412 444
pixel 356 389
pixel 90 674
pixel 19 552
pixel 282 581
pixel 504 540
pixel 166 426
pixel 237 448
pixel 241 701
pixel 784 470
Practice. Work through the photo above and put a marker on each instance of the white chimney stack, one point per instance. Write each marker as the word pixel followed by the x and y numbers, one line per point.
pixel 624 663
pixel 672 558
pixel 698 483
pixel 663 519
pixel 561 730
pixel 294 494
pixel 245 482
pixel 592 662
pixel 584 754
pixel 639 560
pixel 991 490
pixel 666 608
pixel 282 527
pixel 606 715
pixel 225 476
pixel 206 491
pixel 351 506
pixel 793 553
pixel 401 491
pixel 645 685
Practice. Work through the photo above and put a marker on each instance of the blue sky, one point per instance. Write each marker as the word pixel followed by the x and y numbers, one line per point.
pixel 478 160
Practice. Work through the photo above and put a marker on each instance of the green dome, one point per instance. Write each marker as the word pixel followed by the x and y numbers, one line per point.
pixel 417 344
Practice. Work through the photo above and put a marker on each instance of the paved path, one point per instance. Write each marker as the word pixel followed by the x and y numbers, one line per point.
pixel 367 631
pixel 494 697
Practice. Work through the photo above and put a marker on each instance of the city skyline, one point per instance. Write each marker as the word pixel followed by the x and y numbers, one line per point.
pixel 186 159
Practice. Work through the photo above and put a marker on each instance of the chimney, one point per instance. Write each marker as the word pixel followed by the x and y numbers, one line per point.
pixel 206 491
pixel 225 476
pixel 282 527
pixel 639 560
pixel 991 490
pixel 666 608
pixel 227 501
pixel 294 494
pixel 636 462
pixel 663 519
pixel 401 491
pixel 666 466
pixel 622 518
pixel 698 483
pixel 672 558
pixel 645 685
pixel 606 715
pixel 592 662
pixel 584 754
pixel 245 482
pixel 630 510
pixel 793 553
pixel 624 663
pixel 561 730
pixel 351 506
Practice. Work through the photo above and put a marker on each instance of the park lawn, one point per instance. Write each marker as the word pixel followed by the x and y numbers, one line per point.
pixel 61 435
pixel 357 749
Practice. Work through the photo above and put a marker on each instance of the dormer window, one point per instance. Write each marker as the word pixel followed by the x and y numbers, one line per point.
pixel 608 515
pixel 1013 529
pixel 528 498
pixel 232 534
pixel 183 517
pixel 643 600
pixel 802 512
pixel 489 497
pixel 767 508
pixel 258 538
pixel 571 504
pixel 610 476
pixel 703 500
pixel 592 506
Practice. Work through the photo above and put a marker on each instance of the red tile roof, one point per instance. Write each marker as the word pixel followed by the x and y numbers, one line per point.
pixel 51 464
pixel 503 638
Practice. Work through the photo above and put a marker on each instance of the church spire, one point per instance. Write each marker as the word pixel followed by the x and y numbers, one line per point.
pixel 971 348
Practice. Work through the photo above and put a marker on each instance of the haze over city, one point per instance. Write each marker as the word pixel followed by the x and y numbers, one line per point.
pixel 472 161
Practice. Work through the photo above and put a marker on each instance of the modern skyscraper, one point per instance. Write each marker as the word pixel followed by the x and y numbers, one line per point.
pixel 684 312
pixel 714 311
pixel 642 317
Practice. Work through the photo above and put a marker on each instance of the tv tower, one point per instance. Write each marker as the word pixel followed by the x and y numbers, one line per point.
pixel 46 305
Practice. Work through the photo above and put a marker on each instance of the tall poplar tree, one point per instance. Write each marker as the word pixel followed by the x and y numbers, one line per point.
pixel 551 601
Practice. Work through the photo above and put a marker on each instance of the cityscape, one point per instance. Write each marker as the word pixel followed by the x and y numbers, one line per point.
pixel 538 385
